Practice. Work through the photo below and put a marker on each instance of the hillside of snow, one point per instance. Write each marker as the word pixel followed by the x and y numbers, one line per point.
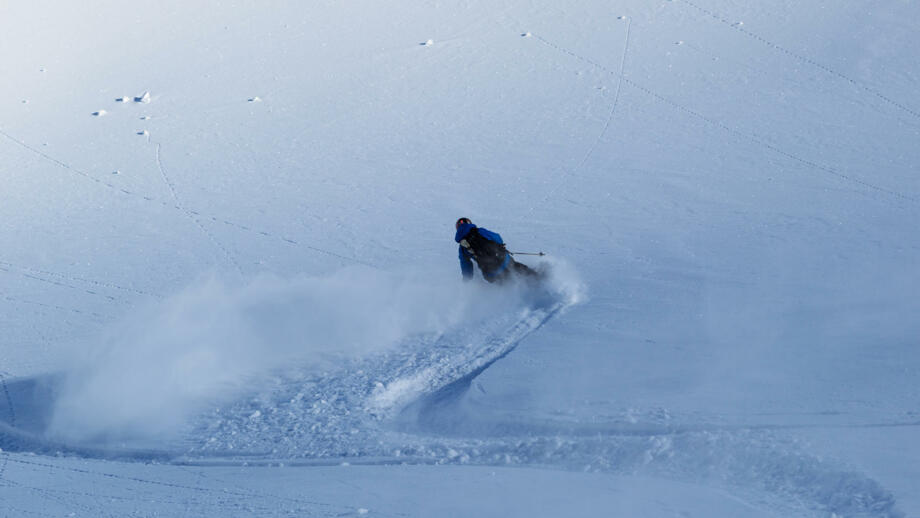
pixel 229 286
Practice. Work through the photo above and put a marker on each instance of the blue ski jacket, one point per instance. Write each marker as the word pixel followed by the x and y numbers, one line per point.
pixel 465 254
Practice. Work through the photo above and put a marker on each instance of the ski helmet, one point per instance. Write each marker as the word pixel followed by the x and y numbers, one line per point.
pixel 462 221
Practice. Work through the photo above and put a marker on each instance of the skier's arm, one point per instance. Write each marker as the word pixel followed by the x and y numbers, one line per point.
pixel 466 265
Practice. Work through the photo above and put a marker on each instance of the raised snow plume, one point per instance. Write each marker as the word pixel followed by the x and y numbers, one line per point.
pixel 212 341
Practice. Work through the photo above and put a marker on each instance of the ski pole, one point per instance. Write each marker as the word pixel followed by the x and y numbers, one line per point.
pixel 541 254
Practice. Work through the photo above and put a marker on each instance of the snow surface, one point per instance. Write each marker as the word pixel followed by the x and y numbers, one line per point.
pixel 260 311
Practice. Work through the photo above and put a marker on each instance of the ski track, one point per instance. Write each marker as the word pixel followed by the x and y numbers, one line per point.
pixel 26 271
pixel 616 99
pixel 185 495
pixel 175 206
pixel 402 407
pixel 192 217
pixel 740 28
pixel 11 298
pixel 734 131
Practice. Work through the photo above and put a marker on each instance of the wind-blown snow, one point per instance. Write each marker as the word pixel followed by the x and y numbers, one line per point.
pixel 213 340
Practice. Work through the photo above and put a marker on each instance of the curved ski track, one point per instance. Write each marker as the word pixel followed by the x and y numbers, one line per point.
pixel 402 406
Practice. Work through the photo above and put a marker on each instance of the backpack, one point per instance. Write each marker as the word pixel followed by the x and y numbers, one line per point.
pixel 487 253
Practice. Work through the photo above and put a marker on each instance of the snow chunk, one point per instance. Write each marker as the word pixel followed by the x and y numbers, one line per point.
pixel 255 415
pixel 123 99
pixel 145 118
pixel 526 35
pixel 255 99
pixel 143 98
pixel 363 511
pixel 427 43
pixel 99 113
pixel 621 17
pixel 143 133
pixel 389 396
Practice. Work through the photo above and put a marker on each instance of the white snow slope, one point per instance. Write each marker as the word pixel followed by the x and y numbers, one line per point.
pixel 228 285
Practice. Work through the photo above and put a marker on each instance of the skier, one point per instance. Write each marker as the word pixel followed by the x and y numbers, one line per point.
pixel 488 250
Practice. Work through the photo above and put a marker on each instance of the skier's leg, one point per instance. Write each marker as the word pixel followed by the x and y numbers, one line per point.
pixel 523 269
pixel 502 276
